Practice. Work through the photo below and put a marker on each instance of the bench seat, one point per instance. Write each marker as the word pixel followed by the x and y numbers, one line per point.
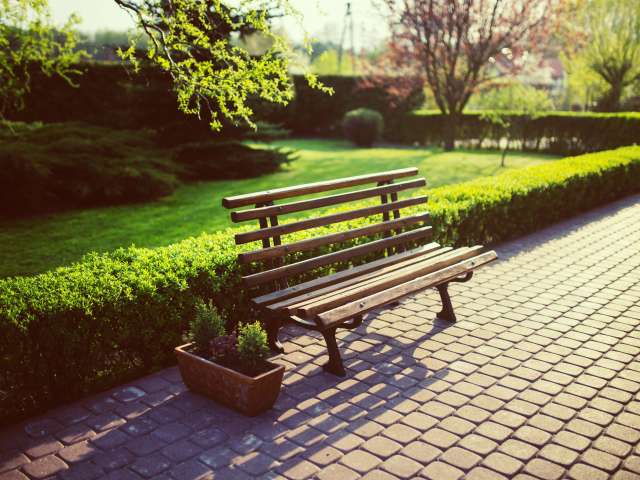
pixel 408 262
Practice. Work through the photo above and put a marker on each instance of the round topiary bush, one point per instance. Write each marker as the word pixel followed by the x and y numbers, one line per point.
pixel 362 126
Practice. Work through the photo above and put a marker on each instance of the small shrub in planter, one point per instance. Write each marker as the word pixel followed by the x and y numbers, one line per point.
pixel 207 324
pixel 252 346
pixel 362 126
pixel 231 369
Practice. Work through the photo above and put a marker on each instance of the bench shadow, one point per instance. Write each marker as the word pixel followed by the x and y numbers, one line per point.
pixel 316 417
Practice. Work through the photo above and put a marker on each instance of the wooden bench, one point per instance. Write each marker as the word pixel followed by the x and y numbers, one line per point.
pixel 407 263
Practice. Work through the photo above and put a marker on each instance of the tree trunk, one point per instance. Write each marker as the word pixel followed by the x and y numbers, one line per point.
pixel 451 128
pixel 503 159
pixel 610 102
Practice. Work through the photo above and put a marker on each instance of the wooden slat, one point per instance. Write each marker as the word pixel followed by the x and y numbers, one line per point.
pixel 342 255
pixel 280 193
pixel 440 256
pixel 293 303
pixel 377 284
pixel 342 313
pixel 311 243
pixel 279 295
pixel 304 205
pixel 326 220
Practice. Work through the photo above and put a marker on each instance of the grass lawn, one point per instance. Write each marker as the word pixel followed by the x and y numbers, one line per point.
pixel 38 244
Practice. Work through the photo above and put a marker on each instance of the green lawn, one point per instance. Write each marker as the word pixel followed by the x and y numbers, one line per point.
pixel 38 244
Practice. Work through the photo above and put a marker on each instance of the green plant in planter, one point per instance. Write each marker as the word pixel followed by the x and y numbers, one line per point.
pixel 252 345
pixel 206 325
pixel 362 126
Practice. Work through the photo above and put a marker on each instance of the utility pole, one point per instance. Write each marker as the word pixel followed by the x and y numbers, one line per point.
pixel 347 23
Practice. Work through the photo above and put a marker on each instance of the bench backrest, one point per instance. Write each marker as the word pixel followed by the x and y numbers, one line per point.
pixel 275 271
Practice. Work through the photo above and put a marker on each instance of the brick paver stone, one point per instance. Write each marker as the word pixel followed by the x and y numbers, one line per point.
pixel 539 379
pixel 581 471
pixel 461 458
pixel 502 463
pixel 360 461
pixel 442 471
pixel 44 467
pixel 401 467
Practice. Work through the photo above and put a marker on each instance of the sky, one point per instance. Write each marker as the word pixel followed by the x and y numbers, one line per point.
pixel 322 19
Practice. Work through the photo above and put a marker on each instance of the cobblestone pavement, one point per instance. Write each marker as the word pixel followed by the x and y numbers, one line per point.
pixel 539 378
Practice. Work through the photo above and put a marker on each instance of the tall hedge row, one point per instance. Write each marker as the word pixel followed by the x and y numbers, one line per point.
pixel 563 133
pixel 115 316
pixel 109 95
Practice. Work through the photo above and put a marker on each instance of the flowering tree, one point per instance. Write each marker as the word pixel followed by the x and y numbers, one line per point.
pixel 611 48
pixel 453 44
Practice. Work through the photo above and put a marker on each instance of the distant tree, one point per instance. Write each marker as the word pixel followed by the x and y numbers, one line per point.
pixel 327 63
pixel 198 43
pixel 513 97
pixel 319 47
pixel 501 102
pixel 454 44
pixel 583 85
pixel 28 38
pixel 612 45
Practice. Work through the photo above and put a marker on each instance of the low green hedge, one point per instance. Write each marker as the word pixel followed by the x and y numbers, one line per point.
pixel 112 317
pixel 562 133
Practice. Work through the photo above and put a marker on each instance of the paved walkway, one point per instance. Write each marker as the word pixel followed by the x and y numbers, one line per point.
pixel 539 378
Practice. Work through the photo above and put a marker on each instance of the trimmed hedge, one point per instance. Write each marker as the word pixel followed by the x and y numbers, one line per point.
pixel 112 317
pixel 563 133
pixel 109 95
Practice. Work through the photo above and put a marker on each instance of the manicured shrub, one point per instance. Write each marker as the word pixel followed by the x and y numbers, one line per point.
pixel 228 160
pixel 57 166
pixel 51 167
pixel 206 325
pixel 115 316
pixel 562 133
pixel 252 345
pixel 362 126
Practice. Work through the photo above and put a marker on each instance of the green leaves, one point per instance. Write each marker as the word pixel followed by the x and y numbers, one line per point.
pixel 28 36
pixel 252 344
pixel 201 45
pixel 206 326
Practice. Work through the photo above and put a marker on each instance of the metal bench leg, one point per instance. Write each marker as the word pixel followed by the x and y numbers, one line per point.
pixel 334 365
pixel 273 327
pixel 447 308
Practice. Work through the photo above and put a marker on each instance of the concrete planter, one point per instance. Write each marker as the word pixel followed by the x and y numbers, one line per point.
pixel 248 395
